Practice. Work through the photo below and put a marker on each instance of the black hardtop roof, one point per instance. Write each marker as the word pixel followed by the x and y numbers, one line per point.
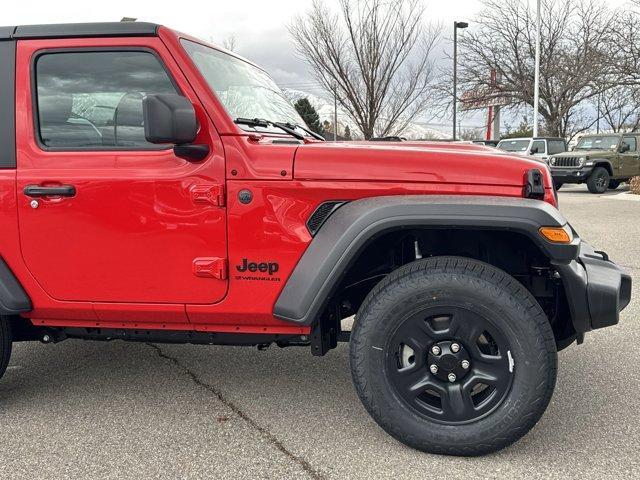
pixel 610 134
pixel 533 138
pixel 71 30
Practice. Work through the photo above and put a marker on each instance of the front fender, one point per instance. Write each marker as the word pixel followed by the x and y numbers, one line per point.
pixel 350 228
pixel 602 161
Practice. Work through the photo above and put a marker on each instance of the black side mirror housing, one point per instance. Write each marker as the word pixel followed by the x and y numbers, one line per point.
pixel 169 119
pixel 534 150
pixel 625 147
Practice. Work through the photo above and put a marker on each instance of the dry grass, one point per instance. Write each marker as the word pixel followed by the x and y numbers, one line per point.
pixel 634 185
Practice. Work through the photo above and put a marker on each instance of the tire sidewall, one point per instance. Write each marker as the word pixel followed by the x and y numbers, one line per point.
pixel 531 359
pixel 591 182
pixel 5 344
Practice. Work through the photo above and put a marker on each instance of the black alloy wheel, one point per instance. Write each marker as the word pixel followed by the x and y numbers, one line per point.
pixel 449 364
pixel 451 355
pixel 598 181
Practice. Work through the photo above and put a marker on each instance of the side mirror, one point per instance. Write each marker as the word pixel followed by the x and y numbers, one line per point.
pixel 534 150
pixel 169 119
pixel 625 147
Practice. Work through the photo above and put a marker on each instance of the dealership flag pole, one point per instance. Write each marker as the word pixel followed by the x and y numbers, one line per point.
pixel 536 87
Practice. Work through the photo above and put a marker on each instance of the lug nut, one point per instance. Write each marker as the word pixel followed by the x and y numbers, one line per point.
pixel 434 369
pixel 455 347
pixel 46 338
pixel 452 377
pixel 435 350
pixel 465 364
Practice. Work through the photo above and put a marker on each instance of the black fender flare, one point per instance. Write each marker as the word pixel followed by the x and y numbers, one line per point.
pixel 352 226
pixel 13 298
pixel 598 162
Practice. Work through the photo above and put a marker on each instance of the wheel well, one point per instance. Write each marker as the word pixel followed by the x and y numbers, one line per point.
pixel 513 252
pixel 606 165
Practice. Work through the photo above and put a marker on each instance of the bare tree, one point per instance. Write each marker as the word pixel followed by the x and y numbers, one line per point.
pixel 576 39
pixel 619 107
pixel 375 55
pixel 230 43
pixel 625 50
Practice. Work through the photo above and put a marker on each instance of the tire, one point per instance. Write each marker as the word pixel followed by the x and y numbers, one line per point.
pixel 613 184
pixel 598 181
pixel 558 185
pixel 480 298
pixel 5 344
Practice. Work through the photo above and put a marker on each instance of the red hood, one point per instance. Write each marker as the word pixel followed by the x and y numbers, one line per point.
pixel 413 162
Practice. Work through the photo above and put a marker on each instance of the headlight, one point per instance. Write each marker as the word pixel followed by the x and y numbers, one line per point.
pixel 552 161
pixel 581 161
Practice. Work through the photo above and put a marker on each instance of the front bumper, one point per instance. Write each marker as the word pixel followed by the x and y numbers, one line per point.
pixel 571 175
pixel 597 289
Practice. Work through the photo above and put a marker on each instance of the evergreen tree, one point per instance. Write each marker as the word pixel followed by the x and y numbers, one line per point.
pixel 523 130
pixel 309 114
pixel 347 132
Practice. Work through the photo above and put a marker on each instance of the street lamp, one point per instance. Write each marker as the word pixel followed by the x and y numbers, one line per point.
pixel 456 26
pixel 536 81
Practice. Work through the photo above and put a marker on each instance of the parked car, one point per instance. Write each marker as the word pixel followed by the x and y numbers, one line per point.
pixel 205 211
pixel 390 138
pixel 488 143
pixel 600 161
pixel 539 147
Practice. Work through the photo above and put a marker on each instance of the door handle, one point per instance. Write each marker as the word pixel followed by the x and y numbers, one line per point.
pixel 37 191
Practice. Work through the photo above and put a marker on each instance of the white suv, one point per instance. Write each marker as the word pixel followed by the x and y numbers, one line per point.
pixel 539 147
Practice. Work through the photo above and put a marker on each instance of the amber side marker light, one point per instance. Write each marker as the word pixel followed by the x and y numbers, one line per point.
pixel 556 234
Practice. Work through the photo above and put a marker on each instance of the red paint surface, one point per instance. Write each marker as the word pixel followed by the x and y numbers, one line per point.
pixel 120 253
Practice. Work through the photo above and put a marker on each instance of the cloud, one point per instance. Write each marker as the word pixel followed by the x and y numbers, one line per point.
pixel 275 52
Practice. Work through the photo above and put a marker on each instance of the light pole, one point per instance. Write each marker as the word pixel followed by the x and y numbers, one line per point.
pixel 456 26
pixel 598 118
pixel 335 113
pixel 536 81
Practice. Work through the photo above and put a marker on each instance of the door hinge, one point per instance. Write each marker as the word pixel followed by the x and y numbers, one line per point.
pixel 210 267
pixel 211 194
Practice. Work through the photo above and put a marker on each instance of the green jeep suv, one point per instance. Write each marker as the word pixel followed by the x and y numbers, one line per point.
pixel 600 161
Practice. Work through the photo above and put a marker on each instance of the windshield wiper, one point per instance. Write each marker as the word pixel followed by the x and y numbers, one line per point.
pixel 261 122
pixel 315 135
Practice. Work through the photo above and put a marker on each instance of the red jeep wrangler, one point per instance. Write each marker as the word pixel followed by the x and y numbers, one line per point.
pixel 157 189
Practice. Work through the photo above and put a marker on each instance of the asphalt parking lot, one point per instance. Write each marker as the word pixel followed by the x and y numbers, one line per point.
pixel 117 410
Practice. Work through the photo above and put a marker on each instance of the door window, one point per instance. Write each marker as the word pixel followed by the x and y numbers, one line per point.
pixel 93 100
pixel 631 141
pixel 539 147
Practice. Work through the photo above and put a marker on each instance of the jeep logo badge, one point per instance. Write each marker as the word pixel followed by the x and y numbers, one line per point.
pixel 264 267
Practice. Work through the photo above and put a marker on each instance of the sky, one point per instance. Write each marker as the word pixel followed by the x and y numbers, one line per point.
pixel 259 26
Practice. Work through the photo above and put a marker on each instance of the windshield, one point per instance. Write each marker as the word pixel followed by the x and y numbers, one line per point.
pixel 600 142
pixel 514 145
pixel 245 90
